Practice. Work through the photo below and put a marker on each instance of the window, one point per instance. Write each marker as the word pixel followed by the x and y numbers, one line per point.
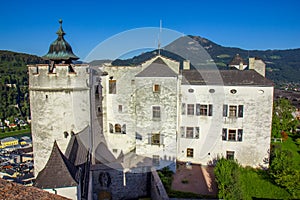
pixel 155 139
pixel 241 111
pixel 112 86
pixel 190 109
pixel 190 153
pixel 120 108
pixel 183 108
pixel 156 88
pixel 230 155
pixel 240 135
pixel 231 135
pixel 111 128
pixel 224 134
pixel 189 132
pixel 203 110
pixel 115 150
pixel 155 160
pixel 156 112
pixel 117 128
pixel 225 110
pixel 232 111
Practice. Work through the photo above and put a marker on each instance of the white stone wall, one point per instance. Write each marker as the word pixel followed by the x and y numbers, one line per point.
pixel 68 192
pixel 256 124
pixel 166 126
pixel 59 102
pixel 125 88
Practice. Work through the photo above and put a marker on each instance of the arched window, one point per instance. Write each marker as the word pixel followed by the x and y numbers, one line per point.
pixel 117 128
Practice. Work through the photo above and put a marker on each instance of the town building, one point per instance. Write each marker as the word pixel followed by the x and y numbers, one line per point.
pixel 98 132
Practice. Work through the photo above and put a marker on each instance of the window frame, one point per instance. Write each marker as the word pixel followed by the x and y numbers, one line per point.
pixel 155 138
pixel 190 107
pixel 233 110
pixel 156 113
pixel 156 88
pixel 190 153
pixel 230 155
pixel 231 135
pixel 189 132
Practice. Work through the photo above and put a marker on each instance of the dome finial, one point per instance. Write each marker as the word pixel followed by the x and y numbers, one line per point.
pixel 60 31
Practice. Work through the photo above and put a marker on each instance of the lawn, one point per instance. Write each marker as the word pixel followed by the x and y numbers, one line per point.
pixel 256 184
pixel 16 133
pixel 290 145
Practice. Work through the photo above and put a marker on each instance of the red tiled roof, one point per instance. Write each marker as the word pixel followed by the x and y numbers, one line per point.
pixel 15 191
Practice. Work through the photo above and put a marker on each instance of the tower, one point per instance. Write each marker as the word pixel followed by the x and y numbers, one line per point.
pixel 59 99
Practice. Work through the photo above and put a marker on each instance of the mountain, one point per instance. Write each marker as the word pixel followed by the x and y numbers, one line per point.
pixel 14 84
pixel 282 65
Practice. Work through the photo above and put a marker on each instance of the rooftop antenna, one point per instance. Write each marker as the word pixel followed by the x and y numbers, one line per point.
pixel 160 27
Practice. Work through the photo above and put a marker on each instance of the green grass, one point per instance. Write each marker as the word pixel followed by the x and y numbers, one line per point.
pixel 18 133
pixel 255 183
pixel 290 145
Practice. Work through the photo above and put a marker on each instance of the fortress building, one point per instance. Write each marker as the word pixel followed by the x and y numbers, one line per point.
pixel 97 133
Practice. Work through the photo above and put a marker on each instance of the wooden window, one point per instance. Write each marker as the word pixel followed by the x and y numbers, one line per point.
pixel 189 132
pixel 230 155
pixel 156 112
pixel 183 108
pixel 232 111
pixel 240 135
pixel 156 88
pixel 224 134
pixel 241 111
pixel 225 110
pixel 155 160
pixel 190 109
pixel 118 128
pixel 190 153
pixel 155 139
pixel 112 87
pixel 231 135
pixel 203 110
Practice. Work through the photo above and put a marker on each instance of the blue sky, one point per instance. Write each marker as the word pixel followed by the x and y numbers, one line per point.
pixel 30 26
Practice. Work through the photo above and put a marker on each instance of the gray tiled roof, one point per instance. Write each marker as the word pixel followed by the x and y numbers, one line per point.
pixel 58 172
pixel 225 77
pixel 76 151
pixel 157 69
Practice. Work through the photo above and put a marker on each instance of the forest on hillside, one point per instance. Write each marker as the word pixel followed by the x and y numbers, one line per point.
pixel 14 97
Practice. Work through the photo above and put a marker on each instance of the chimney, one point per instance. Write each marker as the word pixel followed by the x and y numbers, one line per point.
pixel 186 65
pixel 258 65
pixel 241 67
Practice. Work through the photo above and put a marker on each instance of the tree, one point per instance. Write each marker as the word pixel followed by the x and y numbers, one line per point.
pixel 282 119
pixel 283 173
pixel 227 174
